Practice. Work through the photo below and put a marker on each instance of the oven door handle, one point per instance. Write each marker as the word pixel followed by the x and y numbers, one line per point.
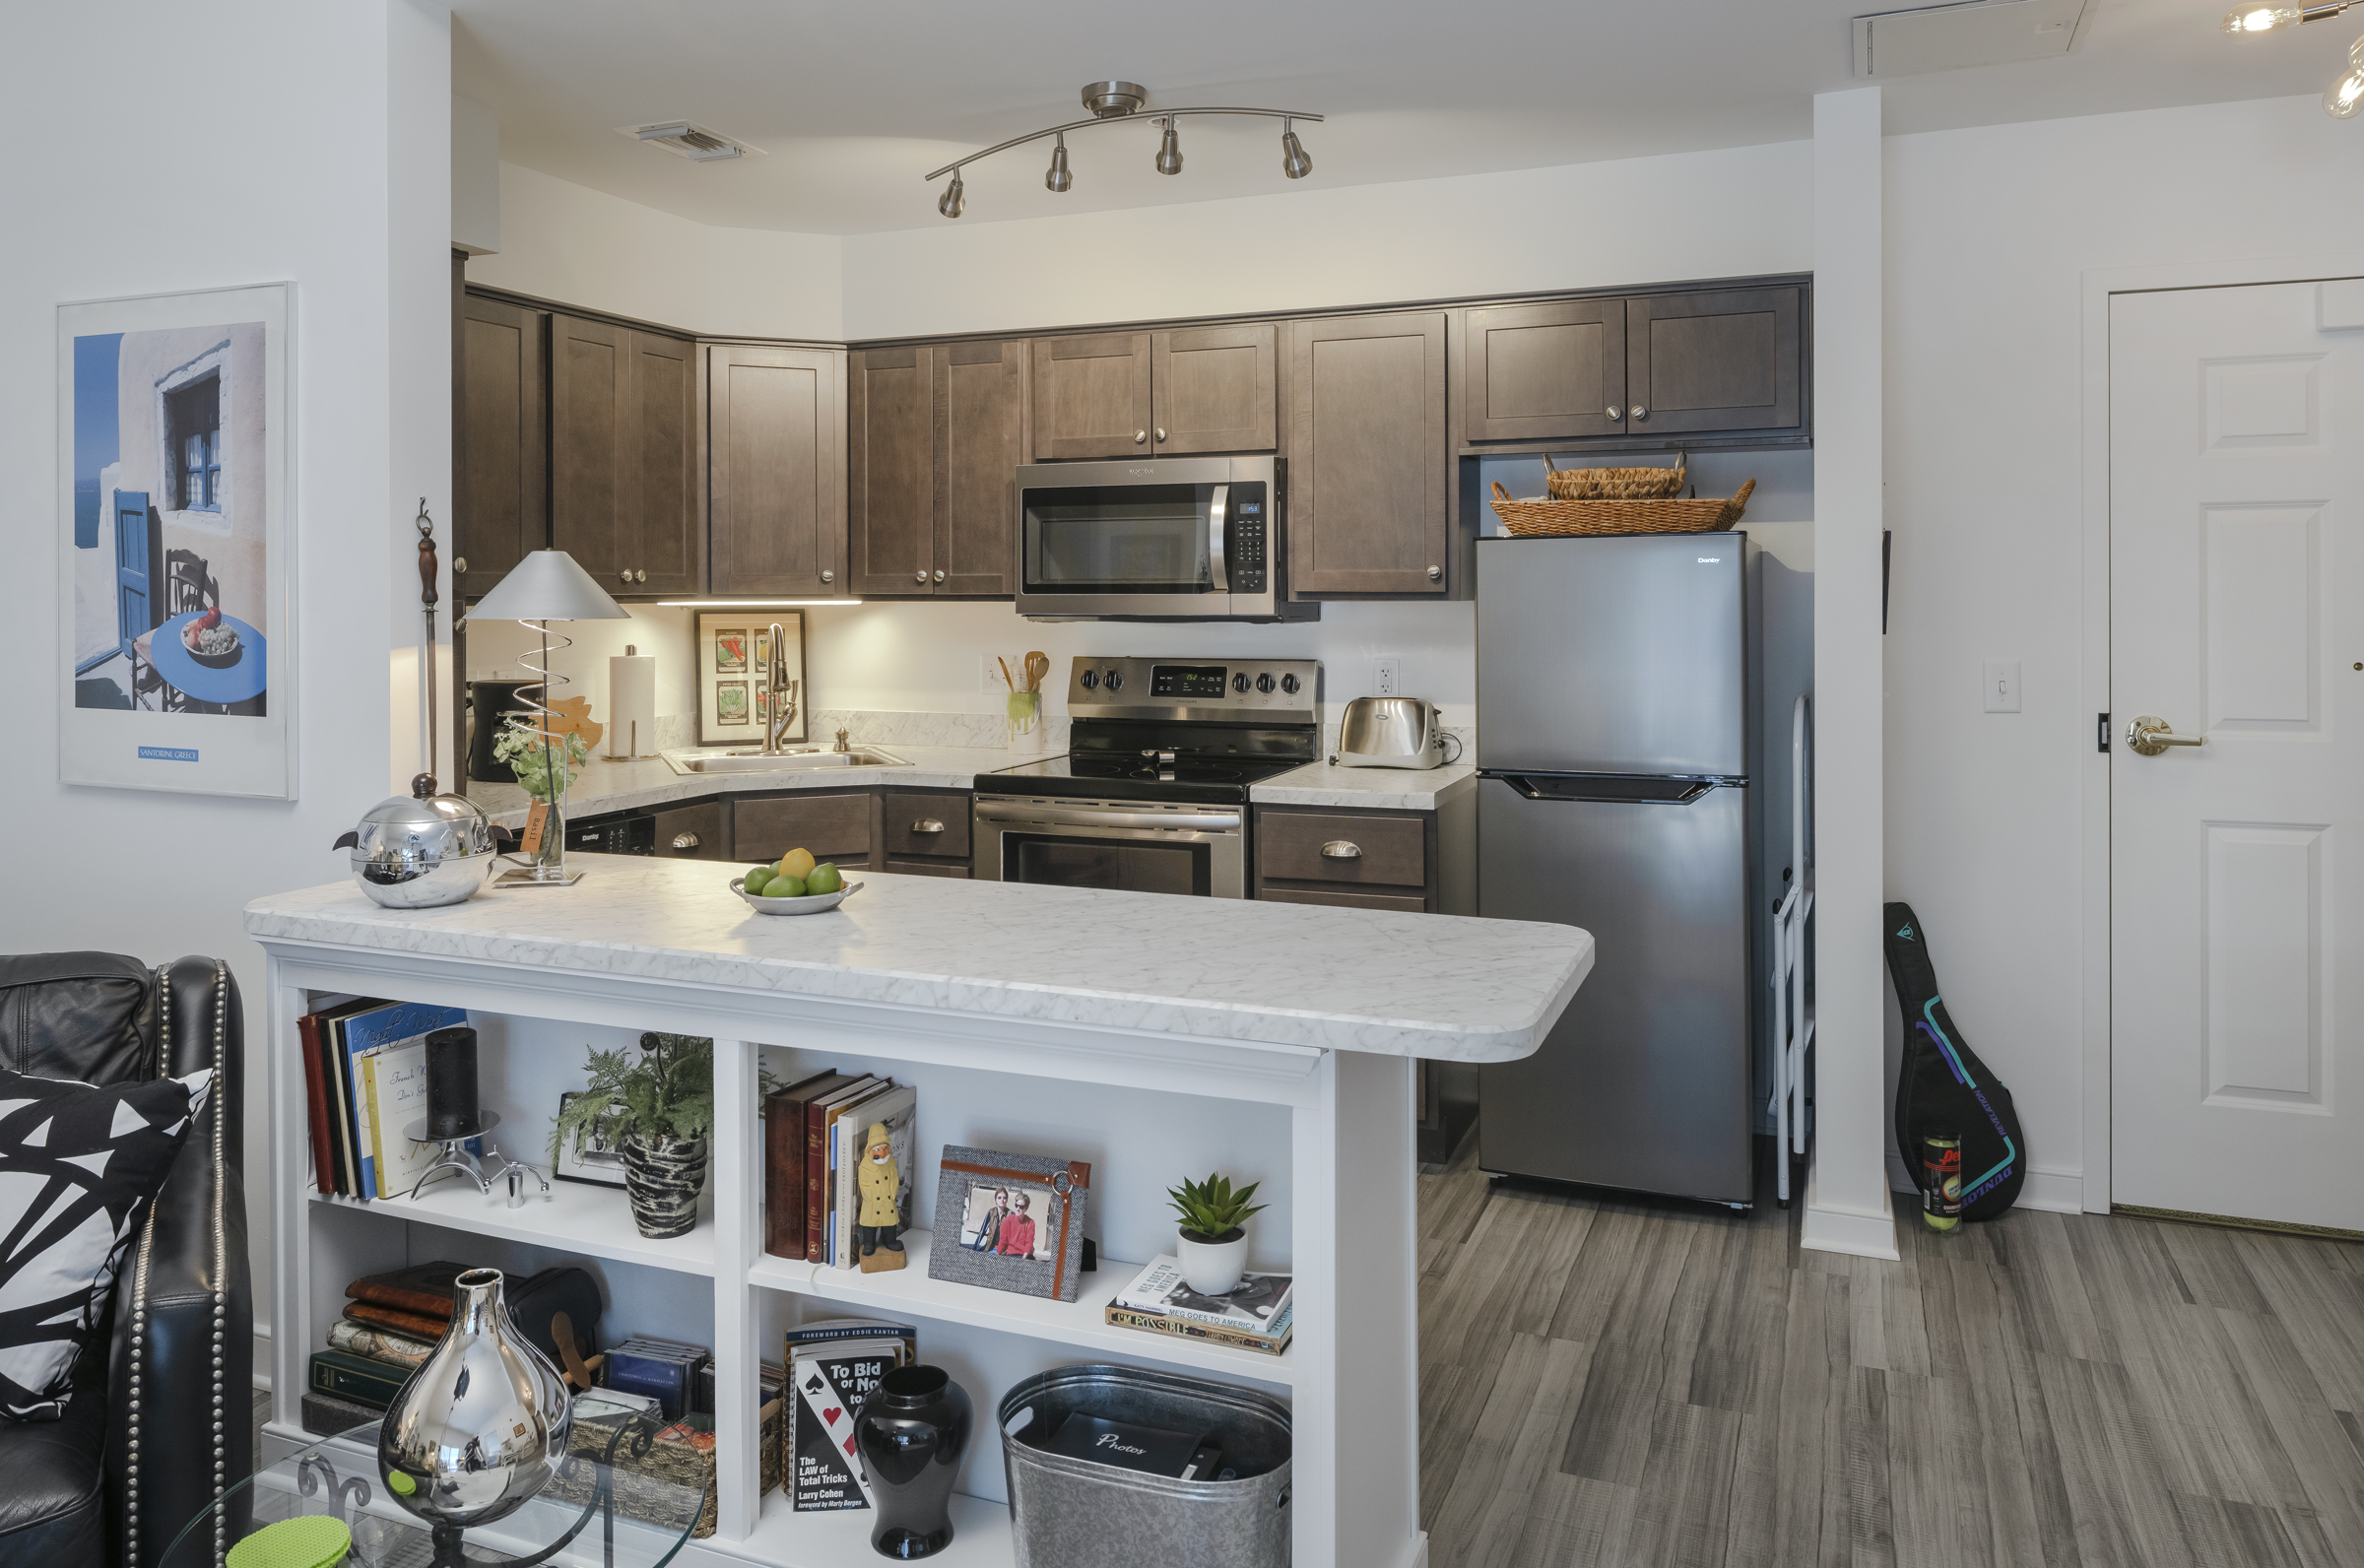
pixel 1218 507
pixel 1073 817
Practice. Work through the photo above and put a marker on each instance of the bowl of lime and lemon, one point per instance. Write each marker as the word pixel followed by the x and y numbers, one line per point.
pixel 794 884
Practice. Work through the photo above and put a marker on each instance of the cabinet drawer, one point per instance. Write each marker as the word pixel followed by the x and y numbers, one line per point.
pixel 927 824
pixel 1399 902
pixel 691 832
pixel 832 827
pixel 921 868
pixel 1392 849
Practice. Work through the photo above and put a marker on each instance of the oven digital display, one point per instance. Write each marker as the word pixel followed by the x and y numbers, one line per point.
pixel 1187 680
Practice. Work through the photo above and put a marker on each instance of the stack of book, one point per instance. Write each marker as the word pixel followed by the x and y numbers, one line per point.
pixel 835 1365
pixel 364 1079
pixel 812 1134
pixel 391 1323
pixel 1253 1315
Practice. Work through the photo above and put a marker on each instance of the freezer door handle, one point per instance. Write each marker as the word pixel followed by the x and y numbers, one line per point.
pixel 1625 791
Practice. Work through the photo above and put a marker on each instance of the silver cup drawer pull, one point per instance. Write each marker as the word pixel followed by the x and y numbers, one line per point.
pixel 684 843
pixel 1341 849
pixel 927 824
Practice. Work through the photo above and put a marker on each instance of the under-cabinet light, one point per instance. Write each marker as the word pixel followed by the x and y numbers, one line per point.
pixel 752 604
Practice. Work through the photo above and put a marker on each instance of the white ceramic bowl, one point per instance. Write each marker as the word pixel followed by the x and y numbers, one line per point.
pixel 810 904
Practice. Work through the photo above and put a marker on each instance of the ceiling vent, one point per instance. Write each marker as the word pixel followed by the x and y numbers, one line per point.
pixel 686 140
pixel 1951 36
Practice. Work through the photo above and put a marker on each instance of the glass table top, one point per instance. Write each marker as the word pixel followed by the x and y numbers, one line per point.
pixel 653 1512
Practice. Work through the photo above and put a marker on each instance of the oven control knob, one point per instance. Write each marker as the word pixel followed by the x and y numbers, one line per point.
pixel 1290 685
pixel 1092 679
pixel 1264 681
pixel 1239 682
pixel 1115 679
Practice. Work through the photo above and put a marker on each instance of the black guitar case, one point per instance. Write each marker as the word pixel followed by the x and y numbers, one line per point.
pixel 1942 1089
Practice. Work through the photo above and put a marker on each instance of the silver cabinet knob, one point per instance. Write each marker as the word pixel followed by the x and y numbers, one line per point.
pixel 683 843
pixel 459 565
pixel 1436 574
pixel 1341 849
pixel 920 575
pixel 828 576
pixel 939 575
pixel 641 575
pixel 1161 432
pixel 1139 436
pixel 1616 413
pixel 626 574
pixel 927 824
pixel 1640 413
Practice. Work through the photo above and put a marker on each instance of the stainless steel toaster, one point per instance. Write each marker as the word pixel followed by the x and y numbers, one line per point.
pixel 1390 731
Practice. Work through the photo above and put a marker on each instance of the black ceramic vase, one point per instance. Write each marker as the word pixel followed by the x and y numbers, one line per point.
pixel 911 1433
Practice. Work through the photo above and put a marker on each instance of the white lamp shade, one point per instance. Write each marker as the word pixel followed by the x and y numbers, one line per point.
pixel 547 586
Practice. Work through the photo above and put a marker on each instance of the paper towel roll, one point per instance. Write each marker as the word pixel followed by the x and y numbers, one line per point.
pixel 632 707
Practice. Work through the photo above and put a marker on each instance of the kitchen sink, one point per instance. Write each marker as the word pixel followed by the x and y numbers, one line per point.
pixel 749 759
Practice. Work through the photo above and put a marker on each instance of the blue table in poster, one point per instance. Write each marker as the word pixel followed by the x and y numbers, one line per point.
pixel 242 682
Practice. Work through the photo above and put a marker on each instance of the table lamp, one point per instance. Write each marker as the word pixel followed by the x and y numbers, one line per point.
pixel 547 586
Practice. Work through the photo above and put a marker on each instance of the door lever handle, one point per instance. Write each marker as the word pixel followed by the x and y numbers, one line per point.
pixel 2149 734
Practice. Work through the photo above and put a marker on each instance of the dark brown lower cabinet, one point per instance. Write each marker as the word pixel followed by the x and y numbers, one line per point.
pixel 1367 454
pixel 842 829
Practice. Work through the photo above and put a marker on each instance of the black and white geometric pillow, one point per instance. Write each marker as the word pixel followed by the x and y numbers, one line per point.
pixel 77 1167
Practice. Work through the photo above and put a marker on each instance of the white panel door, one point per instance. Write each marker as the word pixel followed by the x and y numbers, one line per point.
pixel 2237 617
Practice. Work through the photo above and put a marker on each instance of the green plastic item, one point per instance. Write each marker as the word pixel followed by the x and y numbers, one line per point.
pixel 315 1541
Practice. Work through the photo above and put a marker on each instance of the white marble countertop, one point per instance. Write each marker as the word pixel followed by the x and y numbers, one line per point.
pixel 603 786
pixel 1228 969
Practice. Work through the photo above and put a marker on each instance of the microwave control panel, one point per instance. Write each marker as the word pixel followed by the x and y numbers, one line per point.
pixel 1246 555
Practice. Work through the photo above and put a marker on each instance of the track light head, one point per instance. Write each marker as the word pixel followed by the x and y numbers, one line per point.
pixel 2261 15
pixel 1294 161
pixel 1059 179
pixel 2345 97
pixel 1169 151
pixel 954 198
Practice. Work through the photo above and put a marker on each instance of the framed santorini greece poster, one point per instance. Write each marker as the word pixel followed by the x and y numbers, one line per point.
pixel 175 503
pixel 735 698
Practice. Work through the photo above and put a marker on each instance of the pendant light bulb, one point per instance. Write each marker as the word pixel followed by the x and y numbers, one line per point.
pixel 1059 179
pixel 954 198
pixel 1169 151
pixel 1293 161
pixel 2255 18
pixel 2346 97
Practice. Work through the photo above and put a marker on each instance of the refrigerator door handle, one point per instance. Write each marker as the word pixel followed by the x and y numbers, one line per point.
pixel 1628 792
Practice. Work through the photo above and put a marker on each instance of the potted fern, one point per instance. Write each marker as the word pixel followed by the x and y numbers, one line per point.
pixel 1213 1237
pixel 659 1108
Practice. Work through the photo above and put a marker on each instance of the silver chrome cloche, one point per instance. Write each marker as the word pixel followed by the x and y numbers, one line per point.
pixel 423 849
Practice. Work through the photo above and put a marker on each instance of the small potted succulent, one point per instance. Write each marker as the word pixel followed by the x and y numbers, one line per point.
pixel 1213 1237
pixel 663 1109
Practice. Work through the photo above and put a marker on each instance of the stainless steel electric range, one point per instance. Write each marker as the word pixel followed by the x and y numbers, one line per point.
pixel 1153 793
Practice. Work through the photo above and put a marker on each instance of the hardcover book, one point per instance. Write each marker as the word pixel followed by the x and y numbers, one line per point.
pixel 379 1344
pixel 826 1473
pixel 818 1119
pixel 1271 1343
pixel 423 1289
pixel 387 1024
pixel 1253 1307
pixel 357 1378
pixel 784 1160
pixel 898 1108
pixel 403 1323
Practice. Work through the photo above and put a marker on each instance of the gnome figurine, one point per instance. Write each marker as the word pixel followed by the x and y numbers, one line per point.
pixel 880 1226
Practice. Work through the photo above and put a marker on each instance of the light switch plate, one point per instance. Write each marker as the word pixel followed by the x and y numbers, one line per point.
pixel 2003 686
pixel 1386 676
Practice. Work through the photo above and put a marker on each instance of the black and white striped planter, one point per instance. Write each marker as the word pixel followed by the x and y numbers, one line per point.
pixel 662 1178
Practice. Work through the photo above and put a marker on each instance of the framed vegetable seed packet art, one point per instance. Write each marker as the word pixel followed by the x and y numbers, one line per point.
pixel 735 694
pixel 1009 1221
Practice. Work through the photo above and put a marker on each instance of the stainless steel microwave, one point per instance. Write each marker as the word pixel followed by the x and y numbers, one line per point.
pixel 1158 539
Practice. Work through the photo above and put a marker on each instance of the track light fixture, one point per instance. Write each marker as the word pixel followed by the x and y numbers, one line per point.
pixel 1124 100
pixel 2343 98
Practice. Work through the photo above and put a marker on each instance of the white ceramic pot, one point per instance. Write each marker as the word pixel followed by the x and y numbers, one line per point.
pixel 1213 1268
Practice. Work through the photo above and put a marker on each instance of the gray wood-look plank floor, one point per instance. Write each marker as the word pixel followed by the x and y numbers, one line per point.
pixel 1607 1379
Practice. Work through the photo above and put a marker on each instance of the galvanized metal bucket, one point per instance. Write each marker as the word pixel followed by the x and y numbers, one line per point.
pixel 1070 1513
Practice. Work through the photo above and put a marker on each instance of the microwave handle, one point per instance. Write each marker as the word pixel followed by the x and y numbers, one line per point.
pixel 1218 507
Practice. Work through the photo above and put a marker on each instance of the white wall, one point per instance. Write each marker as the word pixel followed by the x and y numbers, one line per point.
pixel 568 242
pixel 1989 234
pixel 156 874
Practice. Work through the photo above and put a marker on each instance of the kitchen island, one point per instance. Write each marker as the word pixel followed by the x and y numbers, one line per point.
pixel 1156 1037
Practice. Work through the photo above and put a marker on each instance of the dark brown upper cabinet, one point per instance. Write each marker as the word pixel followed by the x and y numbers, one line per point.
pixel 590 449
pixel 503 456
pixel 891 471
pixel 1545 372
pixel 1728 360
pixel 664 535
pixel 1211 390
pixel 1091 396
pixel 1367 455
pixel 980 410
pixel 776 450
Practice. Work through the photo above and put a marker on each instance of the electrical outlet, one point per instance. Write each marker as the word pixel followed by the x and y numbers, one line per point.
pixel 2003 686
pixel 1385 675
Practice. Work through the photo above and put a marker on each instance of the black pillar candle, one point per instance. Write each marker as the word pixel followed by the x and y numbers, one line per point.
pixel 451 1110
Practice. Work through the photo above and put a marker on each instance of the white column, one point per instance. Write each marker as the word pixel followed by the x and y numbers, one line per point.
pixel 1847 1207
pixel 737 1175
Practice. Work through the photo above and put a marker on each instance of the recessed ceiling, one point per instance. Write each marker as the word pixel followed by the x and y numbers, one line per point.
pixel 854 102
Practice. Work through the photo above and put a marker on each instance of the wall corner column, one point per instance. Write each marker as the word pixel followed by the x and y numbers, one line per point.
pixel 1847 1203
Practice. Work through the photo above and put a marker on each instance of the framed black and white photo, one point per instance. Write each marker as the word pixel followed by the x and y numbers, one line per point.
pixel 175 497
pixel 1009 1221
pixel 595 1155
pixel 735 694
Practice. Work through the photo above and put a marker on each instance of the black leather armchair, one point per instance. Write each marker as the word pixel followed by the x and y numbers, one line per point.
pixel 163 1417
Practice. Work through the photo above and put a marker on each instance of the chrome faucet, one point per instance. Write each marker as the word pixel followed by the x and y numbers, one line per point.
pixel 841 747
pixel 783 691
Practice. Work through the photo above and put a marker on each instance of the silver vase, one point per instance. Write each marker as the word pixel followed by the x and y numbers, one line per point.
pixel 480 1427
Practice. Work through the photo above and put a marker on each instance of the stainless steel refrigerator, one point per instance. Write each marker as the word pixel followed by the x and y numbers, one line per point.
pixel 1614 696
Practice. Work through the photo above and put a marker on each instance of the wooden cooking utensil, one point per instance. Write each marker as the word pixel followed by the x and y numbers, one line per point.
pixel 1038 665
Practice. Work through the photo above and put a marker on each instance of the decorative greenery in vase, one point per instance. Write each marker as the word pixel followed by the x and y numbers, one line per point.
pixel 1211 1211
pixel 530 758
pixel 665 1096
